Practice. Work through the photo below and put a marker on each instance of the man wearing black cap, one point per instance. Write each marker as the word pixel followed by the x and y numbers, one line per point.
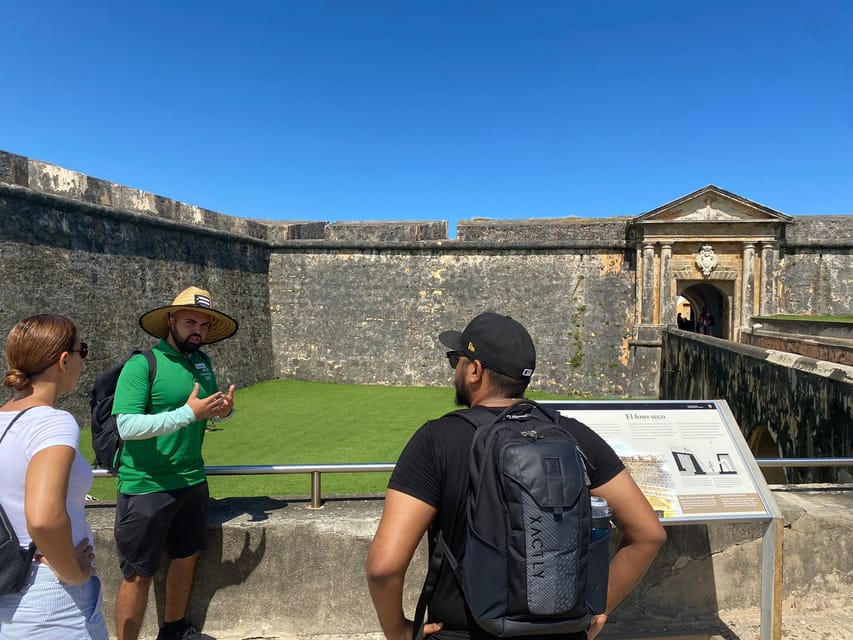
pixel 493 360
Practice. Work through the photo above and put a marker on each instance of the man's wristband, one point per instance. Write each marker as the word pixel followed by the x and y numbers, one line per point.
pixel 218 418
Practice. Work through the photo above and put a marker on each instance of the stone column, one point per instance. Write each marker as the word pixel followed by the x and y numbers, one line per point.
pixel 767 303
pixel 638 288
pixel 747 297
pixel 667 305
pixel 648 283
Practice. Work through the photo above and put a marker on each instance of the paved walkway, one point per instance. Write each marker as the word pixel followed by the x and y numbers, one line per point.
pixel 835 624
pixel 832 624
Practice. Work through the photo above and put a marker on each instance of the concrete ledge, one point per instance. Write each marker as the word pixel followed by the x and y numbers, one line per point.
pixel 277 568
pixel 803 326
pixel 837 350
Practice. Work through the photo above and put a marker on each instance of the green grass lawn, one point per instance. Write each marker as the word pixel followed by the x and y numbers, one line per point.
pixel 294 422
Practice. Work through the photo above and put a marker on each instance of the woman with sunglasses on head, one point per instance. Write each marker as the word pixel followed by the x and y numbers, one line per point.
pixel 43 485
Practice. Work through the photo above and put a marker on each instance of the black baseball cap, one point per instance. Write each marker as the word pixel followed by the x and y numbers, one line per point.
pixel 499 342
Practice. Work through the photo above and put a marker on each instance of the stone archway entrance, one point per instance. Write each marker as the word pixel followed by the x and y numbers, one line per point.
pixel 708 298
pixel 715 249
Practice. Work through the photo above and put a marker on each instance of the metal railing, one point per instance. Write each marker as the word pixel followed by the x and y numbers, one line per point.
pixel 804 462
pixel 316 470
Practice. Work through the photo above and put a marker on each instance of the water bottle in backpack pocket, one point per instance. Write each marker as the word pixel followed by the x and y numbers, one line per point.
pixel 599 555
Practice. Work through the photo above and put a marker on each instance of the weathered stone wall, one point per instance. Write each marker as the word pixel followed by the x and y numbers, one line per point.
pixel 385 231
pixel 806 405
pixel 355 315
pixel 103 267
pixel 38 177
pixel 357 302
pixel 815 274
pixel 604 232
pixel 820 232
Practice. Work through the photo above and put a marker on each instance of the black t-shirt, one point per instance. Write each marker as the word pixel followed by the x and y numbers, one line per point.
pixel 433 468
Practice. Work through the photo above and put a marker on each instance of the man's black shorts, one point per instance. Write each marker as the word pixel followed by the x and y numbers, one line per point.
pixel 146 524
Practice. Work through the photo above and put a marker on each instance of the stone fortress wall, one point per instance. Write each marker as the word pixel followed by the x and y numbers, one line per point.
pixel 787 405
pixel 363 302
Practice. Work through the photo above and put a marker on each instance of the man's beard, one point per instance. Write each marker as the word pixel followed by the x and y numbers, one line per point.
pixel 462 399
pixel 183 345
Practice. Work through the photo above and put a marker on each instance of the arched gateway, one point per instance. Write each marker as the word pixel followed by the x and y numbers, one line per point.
pixel 713 248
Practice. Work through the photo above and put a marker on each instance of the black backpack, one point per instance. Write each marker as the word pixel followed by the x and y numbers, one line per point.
pixel 106 441
pixel 527 563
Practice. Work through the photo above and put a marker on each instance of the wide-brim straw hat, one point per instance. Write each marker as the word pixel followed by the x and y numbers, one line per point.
pixel 156 321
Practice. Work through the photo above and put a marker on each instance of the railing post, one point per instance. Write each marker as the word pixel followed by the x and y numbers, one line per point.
pixel 316 501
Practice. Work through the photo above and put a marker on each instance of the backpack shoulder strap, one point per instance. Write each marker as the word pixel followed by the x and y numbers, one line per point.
pixel 31 549
pixel 479 416
pixel 152 366
pixel 528 404
pixel 440 553
pixel 15 419
pixel 476 416
pixel 152 371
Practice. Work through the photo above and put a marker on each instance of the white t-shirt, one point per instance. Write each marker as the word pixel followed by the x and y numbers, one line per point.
pixel 37 429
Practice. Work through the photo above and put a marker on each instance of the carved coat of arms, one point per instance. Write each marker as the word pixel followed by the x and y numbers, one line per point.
pixel 706 260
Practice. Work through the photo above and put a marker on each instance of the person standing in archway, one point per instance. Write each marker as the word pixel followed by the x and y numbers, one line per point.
pixel 702 324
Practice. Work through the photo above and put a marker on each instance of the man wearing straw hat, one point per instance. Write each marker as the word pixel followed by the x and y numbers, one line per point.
pixel 162 497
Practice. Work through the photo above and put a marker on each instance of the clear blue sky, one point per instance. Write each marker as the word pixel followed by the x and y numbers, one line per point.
pixel 432 110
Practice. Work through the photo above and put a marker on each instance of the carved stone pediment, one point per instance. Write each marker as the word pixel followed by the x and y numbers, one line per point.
pixel 712 204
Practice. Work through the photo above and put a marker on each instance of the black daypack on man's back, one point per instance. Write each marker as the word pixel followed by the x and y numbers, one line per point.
pixel 526 566
pixel 106 441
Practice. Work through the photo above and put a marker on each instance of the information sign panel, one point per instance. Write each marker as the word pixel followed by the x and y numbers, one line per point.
pixel 689 458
